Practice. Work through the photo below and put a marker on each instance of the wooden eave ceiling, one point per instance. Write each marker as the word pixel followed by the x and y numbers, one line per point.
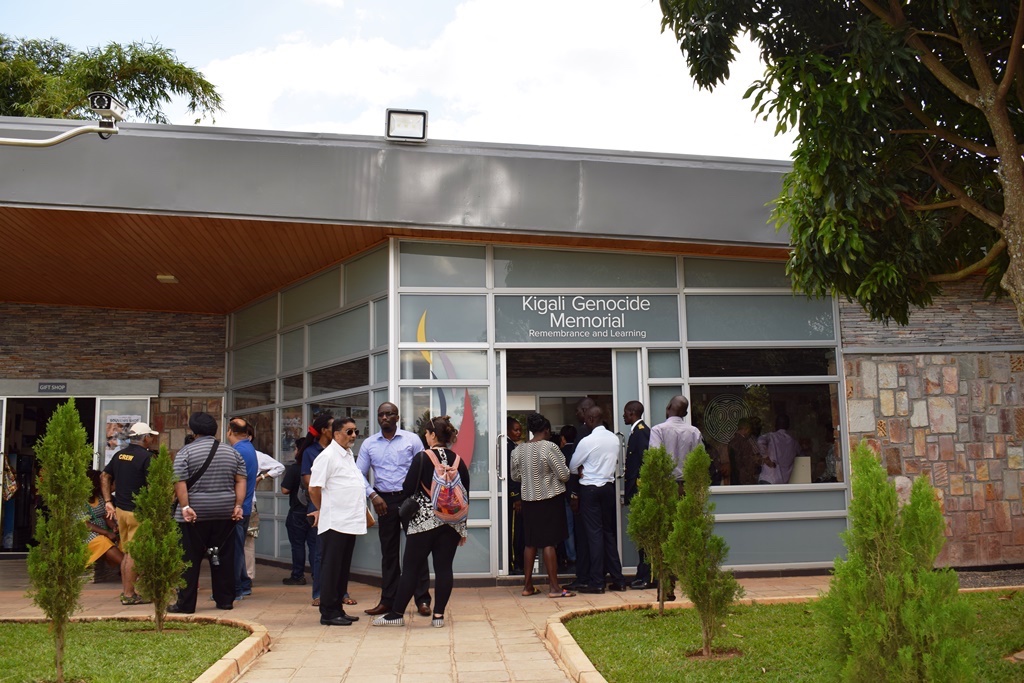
pixel 111 260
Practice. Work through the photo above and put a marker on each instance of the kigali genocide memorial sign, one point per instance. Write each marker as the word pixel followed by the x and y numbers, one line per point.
pixel 586 318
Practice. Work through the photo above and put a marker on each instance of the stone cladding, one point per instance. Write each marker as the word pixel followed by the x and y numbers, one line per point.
pixel 957 418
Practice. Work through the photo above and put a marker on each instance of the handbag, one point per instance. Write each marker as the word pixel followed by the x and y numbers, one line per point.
pixel 410 506
pixel 370 521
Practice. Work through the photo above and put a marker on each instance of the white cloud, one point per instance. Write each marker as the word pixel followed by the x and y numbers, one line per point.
pixel 577 73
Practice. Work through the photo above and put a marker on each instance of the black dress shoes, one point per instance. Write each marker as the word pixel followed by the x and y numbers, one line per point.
pixel 349 617
pixel 381 608
pixel 640 585
pixel 595 590
pixel 335 621
pixel 617 587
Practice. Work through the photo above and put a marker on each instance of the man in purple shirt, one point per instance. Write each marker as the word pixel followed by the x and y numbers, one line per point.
pixel 389 453
pixel 676 436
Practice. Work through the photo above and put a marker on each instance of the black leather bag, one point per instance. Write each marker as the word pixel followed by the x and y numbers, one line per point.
pixel 408 509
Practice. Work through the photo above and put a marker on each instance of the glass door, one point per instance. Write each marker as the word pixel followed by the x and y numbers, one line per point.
pixel 628 387
pixel 501 540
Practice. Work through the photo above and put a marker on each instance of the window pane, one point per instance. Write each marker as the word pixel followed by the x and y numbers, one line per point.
pixel 366 276
pixel 475 557
pixel 810 409
pixel 716 273
pixel 444 364
pixel 442 265
pixel 761 362
pixel 254 321
pixel 660 396
pixel 753 318
pixel 257 360
pixel 664 364
pixel 417 403
pixel 342 335
pixel 291 430
pixel 291 388
pixel 575 269
pixel 380 368
pixel 380 323
pixel 293 345
pixel 354 406
pixel 349 375
pixel 116 418
pixel 314 297
pixel 443 318
pixel 255 395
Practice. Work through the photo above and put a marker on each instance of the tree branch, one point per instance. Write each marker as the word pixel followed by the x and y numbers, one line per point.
pixel 1013 60
pixel 989 218
pixel 936 34
pixel 897 20
pixel 915 206
pixel 994 251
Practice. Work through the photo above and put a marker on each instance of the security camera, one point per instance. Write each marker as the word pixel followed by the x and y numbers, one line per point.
pixel 107 106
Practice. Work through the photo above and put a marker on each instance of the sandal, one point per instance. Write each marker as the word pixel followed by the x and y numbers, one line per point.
pixel 528 593
pixel 316 602
pixel 564 594
pixel 131 599
pixel 348 601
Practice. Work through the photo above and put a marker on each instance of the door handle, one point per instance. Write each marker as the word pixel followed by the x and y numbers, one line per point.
pixel 498 459
pixel 621 469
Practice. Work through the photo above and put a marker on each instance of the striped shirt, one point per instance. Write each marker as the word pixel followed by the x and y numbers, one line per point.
pixel 213 495
pixel 540 466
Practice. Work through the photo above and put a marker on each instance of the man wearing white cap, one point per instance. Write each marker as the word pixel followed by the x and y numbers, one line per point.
pixel 128 470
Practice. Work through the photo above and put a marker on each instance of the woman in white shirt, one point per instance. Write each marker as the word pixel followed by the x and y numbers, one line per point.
pixel 337 490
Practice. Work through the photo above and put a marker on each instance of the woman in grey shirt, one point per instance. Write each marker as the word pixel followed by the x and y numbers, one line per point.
pixel 540 466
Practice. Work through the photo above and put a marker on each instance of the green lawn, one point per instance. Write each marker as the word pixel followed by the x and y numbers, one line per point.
pixel 115 651
pixel 778 643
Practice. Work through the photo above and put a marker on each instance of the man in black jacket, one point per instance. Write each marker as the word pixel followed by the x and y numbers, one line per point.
pixel 639 440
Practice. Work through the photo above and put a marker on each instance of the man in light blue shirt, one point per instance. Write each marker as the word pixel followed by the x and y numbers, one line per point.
pixel 598 455
pixel 389 454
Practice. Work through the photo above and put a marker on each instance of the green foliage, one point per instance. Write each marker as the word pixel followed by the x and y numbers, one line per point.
pixel 50 79
pixel 156 546
pixel 907 165
pixel 114 651
pixel 889 615
pixel 773 642
pixel 56 564
pixel 651 513
pixel 696 553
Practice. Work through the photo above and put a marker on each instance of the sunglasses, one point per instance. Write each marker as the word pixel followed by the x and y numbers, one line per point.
pixel 352 432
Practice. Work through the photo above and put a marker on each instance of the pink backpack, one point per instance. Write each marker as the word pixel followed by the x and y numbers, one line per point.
pixel 448 498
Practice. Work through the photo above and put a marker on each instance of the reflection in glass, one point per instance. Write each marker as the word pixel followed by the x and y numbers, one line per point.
pixel 755 318
pixel 515 267
pixel 761 362
pixel 443 318
pixel 291 388
pixel 699 272
pixel 467 408
pixel 812 410
pixel 291 429
pixel 355 373
pixel 431 364
pixel 431 264
pixel 252 396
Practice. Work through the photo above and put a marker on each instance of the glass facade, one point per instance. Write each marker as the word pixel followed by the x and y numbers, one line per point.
pixel 454 337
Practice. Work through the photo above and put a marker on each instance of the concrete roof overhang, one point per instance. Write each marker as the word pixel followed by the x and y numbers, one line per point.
pixel 237 214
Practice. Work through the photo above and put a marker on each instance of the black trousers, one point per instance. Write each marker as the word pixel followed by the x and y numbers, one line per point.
pixel 516 539
pixel 441 544
pixel 389 529
pixel 335 564
pixel 196 539
pixel 597 508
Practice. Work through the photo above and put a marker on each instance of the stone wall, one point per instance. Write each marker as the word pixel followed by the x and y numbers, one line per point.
pixel 184 351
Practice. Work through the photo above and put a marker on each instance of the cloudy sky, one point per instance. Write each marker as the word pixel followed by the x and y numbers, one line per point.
pixel 574 73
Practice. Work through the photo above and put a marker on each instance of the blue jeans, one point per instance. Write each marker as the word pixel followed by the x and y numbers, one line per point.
pixel 301 536
pixel 570 542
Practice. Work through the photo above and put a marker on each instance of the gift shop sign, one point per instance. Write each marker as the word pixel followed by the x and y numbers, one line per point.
pixel 569 318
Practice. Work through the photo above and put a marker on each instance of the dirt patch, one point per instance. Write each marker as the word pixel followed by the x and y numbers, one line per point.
pixel 717 654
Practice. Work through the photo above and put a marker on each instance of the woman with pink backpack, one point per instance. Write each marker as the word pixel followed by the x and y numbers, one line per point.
pixel 435 512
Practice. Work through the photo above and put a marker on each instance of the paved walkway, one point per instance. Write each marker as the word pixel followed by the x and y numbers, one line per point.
pixel 491 634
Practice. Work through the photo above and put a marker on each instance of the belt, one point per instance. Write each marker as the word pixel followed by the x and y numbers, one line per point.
pixel 389 493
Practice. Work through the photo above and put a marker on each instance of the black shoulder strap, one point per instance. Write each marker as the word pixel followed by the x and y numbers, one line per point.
pixel 195 477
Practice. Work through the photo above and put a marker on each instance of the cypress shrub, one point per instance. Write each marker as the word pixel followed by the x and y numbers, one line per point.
pixel 57 563
pixel 888 614
pixel 156 546
pixel 696 553
pixel 651 511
